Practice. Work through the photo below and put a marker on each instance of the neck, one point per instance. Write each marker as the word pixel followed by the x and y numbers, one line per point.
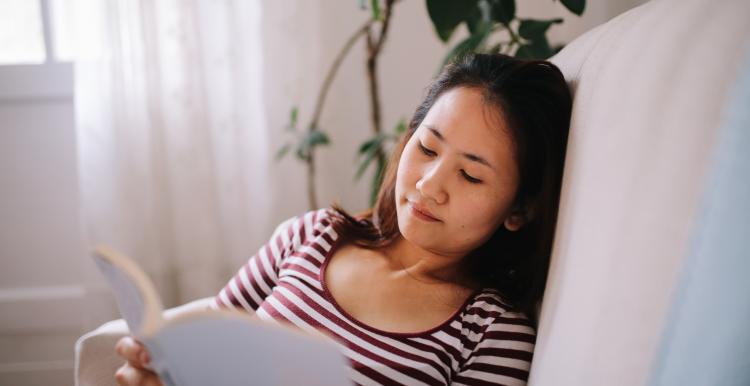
pixel 427 266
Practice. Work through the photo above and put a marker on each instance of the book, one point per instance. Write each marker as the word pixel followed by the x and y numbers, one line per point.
pixel 217 346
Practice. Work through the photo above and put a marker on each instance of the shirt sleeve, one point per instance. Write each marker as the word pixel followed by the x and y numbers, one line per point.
pixel 256 279
pixel 502 356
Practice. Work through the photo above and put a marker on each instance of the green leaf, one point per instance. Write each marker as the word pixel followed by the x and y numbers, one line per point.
pixel 375 141
pixel 467 45
pixel 365 163
pixel 473 20
pixel 503 11
pixel 282 152
pixel 311 139
pixel 364 147
pixel 537 49
pixel 301 151
pixel 536 45
pixel 316 138
pixel 369 156
pixel 400 127
pixel 375 5
pixel 369 149
pixel 293 118
pixel 533 29
pixel 367 145
pixel 377 180
pixel 575 6
pixel 447 14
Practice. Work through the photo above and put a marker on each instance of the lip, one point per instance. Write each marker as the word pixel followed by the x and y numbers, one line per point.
pixel 422 213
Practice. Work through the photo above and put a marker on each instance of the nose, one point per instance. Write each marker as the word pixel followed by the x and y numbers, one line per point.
pixel 432 184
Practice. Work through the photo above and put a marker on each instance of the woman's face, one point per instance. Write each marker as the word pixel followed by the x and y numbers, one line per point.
pixel 457 177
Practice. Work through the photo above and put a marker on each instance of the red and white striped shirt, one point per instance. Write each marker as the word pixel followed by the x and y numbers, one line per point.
pixel 480 344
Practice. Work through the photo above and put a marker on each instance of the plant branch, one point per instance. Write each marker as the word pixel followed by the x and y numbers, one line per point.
pixel 320 101
pixel 372 78
pixel 384 28
pixel 312 197
pixel 514 37
pixel 373 50
pixel 332 72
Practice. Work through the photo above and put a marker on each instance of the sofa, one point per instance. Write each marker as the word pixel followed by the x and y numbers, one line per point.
pixel 643 259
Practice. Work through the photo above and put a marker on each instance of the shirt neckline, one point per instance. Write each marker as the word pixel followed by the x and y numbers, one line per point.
pixel 329 296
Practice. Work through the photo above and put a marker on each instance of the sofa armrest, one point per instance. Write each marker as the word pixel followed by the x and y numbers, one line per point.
pixel 95 357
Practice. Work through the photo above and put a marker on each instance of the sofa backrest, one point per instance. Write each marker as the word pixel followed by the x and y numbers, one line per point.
pixel 651 89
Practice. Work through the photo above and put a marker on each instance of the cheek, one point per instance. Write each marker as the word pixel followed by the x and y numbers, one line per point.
pixel 481 213
pixel 407 172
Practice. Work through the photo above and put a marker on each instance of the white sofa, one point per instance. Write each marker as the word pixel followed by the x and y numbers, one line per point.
pixel 96 360
pixel 651 89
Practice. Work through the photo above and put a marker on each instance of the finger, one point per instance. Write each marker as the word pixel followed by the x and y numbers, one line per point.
pixel 128 348
pixel 127 375
pixel 130 376
pixel 133 351
pixel 142 366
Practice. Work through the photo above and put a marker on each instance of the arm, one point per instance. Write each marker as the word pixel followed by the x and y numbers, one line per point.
pixel 502 355
pixel 255 280
pixel 96 360
pixel 246 289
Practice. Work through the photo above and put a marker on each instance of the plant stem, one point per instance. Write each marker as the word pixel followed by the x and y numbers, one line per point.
pixel 311 195
pixel 515 39
pixel 372 77
pixel 384 28
pixel 373 50
pixel 320 101
pixel 332 71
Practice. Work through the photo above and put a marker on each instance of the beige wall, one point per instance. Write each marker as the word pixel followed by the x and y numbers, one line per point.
pixel 301 41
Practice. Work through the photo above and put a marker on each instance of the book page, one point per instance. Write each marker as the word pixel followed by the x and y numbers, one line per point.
pixel 205 349
pixel 129 299
pixel 136 298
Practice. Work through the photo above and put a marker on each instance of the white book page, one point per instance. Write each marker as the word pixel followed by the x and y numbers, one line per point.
pixel 129 299
pixel 136 297
pixel 224 350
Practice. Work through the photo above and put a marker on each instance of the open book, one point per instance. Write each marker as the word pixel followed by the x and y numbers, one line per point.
pixel 217 347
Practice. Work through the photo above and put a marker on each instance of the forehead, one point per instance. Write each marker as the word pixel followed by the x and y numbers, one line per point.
pixel 469 122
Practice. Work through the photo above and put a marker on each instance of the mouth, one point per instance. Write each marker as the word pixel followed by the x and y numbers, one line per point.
pixel 422 213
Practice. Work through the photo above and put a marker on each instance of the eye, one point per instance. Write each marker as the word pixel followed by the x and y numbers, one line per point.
pixel 470 178
pixel 431 153
pixel 426 151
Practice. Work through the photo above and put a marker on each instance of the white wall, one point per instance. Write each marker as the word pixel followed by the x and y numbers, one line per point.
pixel 42 304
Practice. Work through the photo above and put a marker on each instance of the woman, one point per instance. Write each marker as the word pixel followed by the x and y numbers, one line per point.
pixel 438 283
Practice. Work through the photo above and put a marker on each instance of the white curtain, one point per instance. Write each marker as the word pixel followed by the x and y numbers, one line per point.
pixel 172 141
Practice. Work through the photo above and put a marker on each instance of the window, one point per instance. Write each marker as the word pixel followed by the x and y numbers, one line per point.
pixel 34 32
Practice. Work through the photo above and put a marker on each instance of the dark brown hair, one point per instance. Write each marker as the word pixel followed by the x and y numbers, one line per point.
pixel 536 102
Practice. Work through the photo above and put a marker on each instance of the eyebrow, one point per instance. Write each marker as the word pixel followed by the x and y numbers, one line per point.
pixel 472 157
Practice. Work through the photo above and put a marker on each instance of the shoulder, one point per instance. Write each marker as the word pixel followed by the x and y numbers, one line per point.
pixel 498 344
pixel 491 316
pixel 303 227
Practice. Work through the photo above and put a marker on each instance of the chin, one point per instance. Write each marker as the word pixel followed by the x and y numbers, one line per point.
pixel 418 233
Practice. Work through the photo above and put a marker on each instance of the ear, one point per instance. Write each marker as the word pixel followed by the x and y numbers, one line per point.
pixel 515 221
pixel 518 217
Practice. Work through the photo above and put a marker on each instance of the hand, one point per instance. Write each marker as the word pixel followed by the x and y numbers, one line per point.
pixel 136 371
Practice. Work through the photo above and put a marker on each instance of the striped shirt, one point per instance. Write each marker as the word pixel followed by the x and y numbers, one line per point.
pixel 481 344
